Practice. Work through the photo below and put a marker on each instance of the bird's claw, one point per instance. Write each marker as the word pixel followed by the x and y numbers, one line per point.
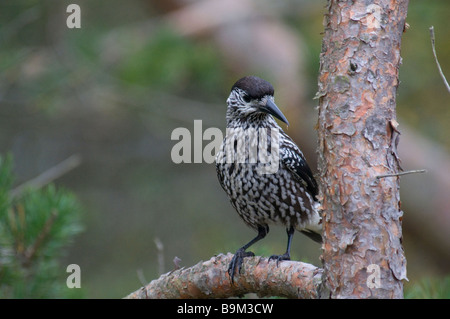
pixel 237 261
pixel 279 258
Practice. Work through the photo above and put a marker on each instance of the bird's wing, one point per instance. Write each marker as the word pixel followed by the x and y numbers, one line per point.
pixel 293 159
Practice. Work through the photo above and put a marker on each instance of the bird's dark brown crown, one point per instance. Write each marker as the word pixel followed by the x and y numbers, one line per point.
pixel 255 87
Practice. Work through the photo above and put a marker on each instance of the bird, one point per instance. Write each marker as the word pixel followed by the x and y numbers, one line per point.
pixel 286 195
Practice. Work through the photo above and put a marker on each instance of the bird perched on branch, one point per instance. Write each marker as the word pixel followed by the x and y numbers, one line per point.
pixel 263 172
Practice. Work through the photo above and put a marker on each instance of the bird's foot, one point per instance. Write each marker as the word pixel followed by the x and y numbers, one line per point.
pixel 279 258
pixel 237 261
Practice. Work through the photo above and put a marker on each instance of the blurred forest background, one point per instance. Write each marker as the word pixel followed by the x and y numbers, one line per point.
pixel 115 89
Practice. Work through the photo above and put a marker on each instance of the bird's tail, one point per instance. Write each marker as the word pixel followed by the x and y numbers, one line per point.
pixel 313 235
pixel 314 229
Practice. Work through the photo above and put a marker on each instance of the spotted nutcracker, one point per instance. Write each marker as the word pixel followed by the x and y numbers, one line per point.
pixel 264 194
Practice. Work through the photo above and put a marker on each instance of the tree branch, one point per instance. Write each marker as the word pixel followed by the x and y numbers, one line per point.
pixel 402 173
pixel 49 175
pixel 209 279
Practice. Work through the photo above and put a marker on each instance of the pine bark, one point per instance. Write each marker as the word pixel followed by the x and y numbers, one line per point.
pixel 358 135
pixel 210 279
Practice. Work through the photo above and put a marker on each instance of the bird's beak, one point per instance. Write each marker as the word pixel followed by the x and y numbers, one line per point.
pixel 273 109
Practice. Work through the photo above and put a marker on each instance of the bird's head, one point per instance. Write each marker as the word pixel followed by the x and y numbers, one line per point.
pixel 252 98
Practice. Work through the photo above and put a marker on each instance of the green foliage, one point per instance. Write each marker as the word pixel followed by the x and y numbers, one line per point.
pixel 174 63
pixel 35 228
pixel 437 288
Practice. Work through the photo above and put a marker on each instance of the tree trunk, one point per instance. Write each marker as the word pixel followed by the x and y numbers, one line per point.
pixel 363 255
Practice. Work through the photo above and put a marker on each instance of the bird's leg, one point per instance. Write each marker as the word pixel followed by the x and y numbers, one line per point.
pixel 238 257
pixel 287 255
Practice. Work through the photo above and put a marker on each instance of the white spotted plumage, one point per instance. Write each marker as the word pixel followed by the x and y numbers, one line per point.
pixel 286 196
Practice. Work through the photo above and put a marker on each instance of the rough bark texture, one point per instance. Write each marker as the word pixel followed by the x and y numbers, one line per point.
pixel 210 279
pixel 357 142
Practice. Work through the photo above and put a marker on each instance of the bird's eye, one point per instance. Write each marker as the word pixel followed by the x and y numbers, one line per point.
pixel 246 98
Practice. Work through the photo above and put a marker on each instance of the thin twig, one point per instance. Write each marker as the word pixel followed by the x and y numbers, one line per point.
pixel 49 175
pixel 141 277
pixel 30 253
pixel 436 59
pixel 160 249
pixel 403 173
pixel 176 262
